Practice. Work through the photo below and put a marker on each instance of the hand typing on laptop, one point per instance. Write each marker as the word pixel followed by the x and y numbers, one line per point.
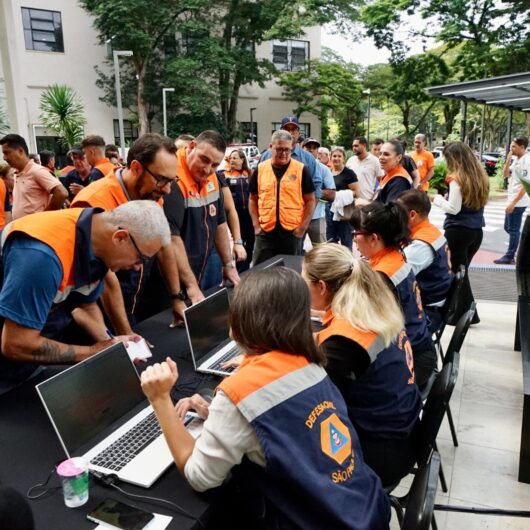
pixel 235 362
pixel 196 403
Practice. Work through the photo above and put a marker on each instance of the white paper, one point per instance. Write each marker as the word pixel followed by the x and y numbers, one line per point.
pixel 138 350
pixel 160 522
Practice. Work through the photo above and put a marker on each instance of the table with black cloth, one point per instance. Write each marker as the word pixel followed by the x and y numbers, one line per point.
pixel 30 448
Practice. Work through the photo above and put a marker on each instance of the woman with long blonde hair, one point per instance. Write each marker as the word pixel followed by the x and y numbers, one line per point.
pixel 368 355
pixel 464 214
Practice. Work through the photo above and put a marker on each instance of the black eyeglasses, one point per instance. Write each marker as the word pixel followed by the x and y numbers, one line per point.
pixel 142 257
pixel 161 181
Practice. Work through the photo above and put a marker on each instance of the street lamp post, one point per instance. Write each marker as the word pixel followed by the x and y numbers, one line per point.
pixel 368 92
pixel 252 125
pixel 116 54
pixel 164 90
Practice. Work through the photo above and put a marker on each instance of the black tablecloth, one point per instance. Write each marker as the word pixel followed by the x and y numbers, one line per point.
pixel 30 449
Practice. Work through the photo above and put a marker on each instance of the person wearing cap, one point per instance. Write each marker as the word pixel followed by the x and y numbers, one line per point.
pixel 80 176
pixel 323 194
pixel 282 200
pixel 94 148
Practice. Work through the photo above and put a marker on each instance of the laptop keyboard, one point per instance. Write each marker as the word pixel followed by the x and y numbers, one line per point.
pixel 232 352
pixel 126 447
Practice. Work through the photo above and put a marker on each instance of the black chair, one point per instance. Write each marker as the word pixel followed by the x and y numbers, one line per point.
pixel 455 345
pixel 448 308
pixel 430 423
pixel 422 495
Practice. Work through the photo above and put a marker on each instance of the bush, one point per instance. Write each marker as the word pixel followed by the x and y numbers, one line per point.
pixel 437 181
pixel 498 177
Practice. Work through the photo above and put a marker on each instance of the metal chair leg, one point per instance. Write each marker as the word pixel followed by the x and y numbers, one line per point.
pixel 394 501
pixel 434 526
pixel 452 426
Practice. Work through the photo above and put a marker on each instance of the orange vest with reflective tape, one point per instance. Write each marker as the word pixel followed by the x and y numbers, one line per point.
pixel 105 166
pixel 105 193
pixel 338 326
pixel 289 204
pixel 57 230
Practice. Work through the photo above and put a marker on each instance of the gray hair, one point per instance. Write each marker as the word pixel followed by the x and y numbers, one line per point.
pixel 144 219
pixel 324 150
pixel 340 149
pixel 280 135
pixel 421 137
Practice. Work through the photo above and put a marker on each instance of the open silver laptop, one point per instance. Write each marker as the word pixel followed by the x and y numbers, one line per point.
pixel 208 334
pixel 99 413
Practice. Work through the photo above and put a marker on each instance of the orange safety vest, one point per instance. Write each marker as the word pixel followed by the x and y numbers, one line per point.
pixel 291 200
pixel 398 171
pixel 105 193
pixel 57 229
pixel 105 166
pixel 3 193
pixel 338 326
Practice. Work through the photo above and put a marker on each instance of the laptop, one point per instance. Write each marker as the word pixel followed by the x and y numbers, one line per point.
pixel 208 334
pixel 100 413
pixel 276 263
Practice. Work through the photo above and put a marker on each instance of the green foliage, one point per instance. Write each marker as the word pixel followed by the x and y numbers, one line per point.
pixel 329 90
pixel 437 181
pixel 205 50
pixel 62 111
pixel 498 177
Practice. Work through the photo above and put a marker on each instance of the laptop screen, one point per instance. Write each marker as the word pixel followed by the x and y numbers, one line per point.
pixel 207 324
pixel 87 398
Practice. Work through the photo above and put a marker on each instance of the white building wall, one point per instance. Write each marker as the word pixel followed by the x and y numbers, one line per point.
pixel 26 73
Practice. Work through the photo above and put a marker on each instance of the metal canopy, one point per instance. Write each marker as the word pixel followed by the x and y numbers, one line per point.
pixel 511 92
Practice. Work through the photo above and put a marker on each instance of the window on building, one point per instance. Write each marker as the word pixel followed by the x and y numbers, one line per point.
pixel 43 30
pixel 246 133
pixel 305 129
pixel 290 55
pixel 129 131
pixel 191 40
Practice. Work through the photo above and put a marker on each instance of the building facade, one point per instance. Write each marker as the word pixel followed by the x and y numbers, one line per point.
pixel 52 41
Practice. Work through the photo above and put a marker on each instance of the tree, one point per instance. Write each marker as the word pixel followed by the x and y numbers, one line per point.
pixel 328 88
pixel 140 26
pixel 205 50
pixel 62 111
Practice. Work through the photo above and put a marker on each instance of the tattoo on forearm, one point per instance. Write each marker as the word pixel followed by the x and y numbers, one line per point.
pixel 50 352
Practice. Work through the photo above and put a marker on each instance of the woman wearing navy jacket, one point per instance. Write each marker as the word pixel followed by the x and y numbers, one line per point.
pixel 368 356
pixel 282 412
pixel 464 214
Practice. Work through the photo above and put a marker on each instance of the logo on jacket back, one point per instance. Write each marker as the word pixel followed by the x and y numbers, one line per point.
pixel 335 439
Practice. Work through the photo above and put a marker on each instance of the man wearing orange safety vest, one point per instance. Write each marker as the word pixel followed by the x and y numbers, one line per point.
pixel 53 264
pixel 94 149
pixel 424 161
pixel 151 168
pixel 282 200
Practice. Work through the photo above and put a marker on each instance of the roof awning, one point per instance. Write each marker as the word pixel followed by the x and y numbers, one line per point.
pixel 511 92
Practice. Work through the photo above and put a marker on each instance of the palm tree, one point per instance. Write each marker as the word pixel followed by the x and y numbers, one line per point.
pixel 62 111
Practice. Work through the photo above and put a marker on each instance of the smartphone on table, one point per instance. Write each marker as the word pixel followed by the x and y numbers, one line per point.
pixel 115 514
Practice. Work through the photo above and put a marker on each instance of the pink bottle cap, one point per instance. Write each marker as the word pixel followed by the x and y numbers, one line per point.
pixel 71 467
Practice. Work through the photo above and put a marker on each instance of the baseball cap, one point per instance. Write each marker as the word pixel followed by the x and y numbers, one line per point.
pixel 75 150
pixel 290 119
pixel 310 141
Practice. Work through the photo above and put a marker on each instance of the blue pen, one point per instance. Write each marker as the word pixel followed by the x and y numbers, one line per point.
pixel 109 334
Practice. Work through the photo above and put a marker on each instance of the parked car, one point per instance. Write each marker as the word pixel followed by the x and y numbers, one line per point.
pixel 251 152
pixel 489 161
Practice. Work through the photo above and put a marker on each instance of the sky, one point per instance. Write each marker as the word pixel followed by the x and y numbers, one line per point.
pixel 364 52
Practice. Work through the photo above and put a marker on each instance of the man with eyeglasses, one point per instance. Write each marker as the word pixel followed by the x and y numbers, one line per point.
pixel 150 170
pixel 53 264
pixel 282 200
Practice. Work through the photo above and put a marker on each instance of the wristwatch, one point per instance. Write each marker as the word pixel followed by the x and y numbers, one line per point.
pixel 181 295
pixel 238 241
pixel 230 265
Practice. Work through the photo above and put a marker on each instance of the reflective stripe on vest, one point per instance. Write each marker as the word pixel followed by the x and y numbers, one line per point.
pixel 291 201
pixel 58 231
